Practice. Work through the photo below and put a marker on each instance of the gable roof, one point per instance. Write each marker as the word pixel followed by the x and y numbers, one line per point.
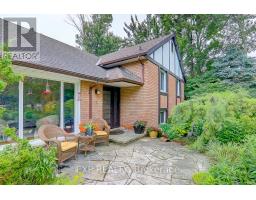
pixel 57 56
pixel 132 52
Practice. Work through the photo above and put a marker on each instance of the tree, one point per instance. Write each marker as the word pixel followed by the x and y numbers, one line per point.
pixel 138 32
pixel 240 30
pixel 94 35
pixel 197 36
pixel 231 71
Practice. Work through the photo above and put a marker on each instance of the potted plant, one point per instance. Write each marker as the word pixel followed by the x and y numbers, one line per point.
pixel 89 129
pixel 139 126
pixel 153 132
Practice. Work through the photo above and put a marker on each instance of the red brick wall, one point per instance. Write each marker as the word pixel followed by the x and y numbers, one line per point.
pixel 171 93
pixel 97 101
pixel 141 102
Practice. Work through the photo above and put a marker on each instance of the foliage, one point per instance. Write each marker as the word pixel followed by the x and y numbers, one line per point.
pixel 231 71
pixel 240 30
pixel 167 130
pixel 234 163
pixel 231 131
pixel 94 35
pixel 197 36
pixel 223 116
pixel 140 123
pixel 203 178
pixel 23 164
pixel 7 76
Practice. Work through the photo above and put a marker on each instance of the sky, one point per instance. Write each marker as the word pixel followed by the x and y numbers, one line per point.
pixel 57 26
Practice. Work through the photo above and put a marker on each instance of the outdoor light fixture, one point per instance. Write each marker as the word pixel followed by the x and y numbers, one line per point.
pixel 97 91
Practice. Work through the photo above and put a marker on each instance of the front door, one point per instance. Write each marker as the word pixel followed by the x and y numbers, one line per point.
pixel 111 106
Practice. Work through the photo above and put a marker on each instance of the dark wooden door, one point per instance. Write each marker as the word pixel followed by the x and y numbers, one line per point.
pixel 111 106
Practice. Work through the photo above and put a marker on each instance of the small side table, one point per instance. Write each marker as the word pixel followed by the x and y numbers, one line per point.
pixel 86 143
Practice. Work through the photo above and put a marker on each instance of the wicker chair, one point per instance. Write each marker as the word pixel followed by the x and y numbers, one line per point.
pixel 101 131
pixel 66 143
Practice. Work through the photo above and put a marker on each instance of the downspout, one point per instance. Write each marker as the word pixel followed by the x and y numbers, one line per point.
pixel 143 70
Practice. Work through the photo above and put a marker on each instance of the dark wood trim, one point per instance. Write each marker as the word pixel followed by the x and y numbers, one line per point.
pixel 163 68
pixel 163 93
pixel 159 93
pixel 56 70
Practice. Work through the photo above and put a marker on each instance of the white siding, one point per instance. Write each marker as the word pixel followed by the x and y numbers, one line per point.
pixel 166 55
pixel 158 55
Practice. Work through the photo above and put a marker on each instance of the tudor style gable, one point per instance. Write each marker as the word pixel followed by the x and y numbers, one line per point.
pixel 167 57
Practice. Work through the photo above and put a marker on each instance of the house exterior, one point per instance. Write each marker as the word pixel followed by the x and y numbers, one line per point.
pixel 142 82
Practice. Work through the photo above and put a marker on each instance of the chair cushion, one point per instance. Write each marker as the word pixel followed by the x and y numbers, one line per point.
pixel 101 133
pixel 68 145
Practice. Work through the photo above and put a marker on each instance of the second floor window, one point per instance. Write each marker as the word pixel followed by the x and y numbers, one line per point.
pixel 178 86
pixel 163 81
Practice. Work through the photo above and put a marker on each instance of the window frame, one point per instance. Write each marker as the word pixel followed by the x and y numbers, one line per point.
pixel 178 88
pixel 164 111
pixel 163 90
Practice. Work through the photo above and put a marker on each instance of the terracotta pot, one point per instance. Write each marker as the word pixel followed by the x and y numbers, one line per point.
pixel 153 134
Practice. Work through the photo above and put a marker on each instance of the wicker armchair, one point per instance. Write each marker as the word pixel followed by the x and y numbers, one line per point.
pixel 66 143
pixel 101 131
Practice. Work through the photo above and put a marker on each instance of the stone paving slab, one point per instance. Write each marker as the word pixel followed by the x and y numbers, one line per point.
pixel 126 137
pixel 143 162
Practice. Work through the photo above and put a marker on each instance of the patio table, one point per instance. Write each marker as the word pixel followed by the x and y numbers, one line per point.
pixel 86 143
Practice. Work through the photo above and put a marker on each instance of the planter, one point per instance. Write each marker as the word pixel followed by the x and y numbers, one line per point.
pixel 89 132
pixel 153 134
pixel 139 129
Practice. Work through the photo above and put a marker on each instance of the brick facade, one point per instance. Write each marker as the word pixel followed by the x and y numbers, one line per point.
pixel 141 102
pixel 163 101
pixel 138 102
pixel 97 101
pixel 171 93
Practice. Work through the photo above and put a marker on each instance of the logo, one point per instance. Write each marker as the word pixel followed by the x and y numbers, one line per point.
pixel 20 38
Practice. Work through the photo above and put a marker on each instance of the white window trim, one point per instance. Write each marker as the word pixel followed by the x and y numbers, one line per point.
pixel 165 81
pixel 178 88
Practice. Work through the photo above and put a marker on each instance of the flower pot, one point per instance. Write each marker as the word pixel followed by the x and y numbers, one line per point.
pixel 139 129
pixel 153 134
pixel 89 132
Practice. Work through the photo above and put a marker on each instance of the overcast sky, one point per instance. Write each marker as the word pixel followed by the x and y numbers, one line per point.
pixel 56 26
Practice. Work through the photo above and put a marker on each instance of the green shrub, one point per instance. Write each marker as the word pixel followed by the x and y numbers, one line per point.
pixel 223 116
pixel 234 163
pixel 23 164
pixel 168 130
pixel 203 178
pixel 231 131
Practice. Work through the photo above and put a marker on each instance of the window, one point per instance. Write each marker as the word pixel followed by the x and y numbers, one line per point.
pixel 163 81
pixel 69 107
pixel 178 88
pixel 163 116
pixel 41 104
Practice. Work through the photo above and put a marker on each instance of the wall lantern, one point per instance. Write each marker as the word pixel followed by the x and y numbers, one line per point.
pixel 97 91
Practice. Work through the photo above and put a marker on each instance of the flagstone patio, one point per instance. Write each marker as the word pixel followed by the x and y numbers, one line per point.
pixel 143 162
